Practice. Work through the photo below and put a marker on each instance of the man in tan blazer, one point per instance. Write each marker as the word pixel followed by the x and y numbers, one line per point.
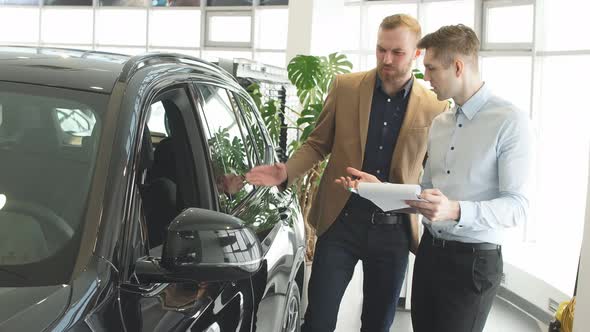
pixel 377 121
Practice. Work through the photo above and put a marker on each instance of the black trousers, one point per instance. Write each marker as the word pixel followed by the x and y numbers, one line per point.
pixel 453 289
pixel 384 252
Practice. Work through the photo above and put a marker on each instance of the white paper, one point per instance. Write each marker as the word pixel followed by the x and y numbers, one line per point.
pixel 389 196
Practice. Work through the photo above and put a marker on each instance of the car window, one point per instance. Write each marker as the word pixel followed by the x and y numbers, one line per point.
pixel 45 173
pixel 157 119
pixel 257 132
pixel 229 144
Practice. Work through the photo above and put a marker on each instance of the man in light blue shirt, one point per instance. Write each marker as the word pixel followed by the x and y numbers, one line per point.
pixel 475 186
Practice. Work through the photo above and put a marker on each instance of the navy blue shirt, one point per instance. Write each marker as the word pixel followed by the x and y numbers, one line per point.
pixel 385 122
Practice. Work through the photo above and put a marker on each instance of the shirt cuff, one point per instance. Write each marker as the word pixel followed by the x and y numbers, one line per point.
pixel 468 214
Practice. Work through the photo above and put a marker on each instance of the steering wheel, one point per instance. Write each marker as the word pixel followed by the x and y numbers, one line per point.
pixel 59 228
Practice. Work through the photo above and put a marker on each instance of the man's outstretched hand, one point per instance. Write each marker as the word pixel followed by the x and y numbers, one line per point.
pixel 267 175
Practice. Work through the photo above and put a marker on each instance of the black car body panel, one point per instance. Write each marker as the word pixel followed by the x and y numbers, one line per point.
pixel 116 276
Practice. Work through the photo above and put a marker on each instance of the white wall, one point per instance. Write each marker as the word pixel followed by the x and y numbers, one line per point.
pixel 582 319
pixel 300 23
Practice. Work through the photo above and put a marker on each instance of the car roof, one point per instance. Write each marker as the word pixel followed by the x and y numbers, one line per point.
pixel 74 69
pixel 86 70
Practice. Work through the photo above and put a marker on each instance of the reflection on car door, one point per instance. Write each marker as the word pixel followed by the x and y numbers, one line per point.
pixel 237 142
pixel 160 195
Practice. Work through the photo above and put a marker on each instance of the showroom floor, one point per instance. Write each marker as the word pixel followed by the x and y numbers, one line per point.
pixel 503 317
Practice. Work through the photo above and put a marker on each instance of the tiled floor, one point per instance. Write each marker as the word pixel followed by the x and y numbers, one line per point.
pixel 503 318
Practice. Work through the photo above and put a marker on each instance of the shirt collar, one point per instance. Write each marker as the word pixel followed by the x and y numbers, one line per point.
pixel 475 103
pixel 406 88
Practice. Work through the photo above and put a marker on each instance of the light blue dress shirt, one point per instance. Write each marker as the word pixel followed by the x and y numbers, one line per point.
pixel 480 154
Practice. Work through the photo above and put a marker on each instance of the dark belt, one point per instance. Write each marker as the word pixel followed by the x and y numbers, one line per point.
pixel 376 217
pixel 459 246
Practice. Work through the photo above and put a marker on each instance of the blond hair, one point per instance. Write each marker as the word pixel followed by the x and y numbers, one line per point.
pixel 450 41
pixel 401 20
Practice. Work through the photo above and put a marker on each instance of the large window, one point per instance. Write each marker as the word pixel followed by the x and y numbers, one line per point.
pixel 254 30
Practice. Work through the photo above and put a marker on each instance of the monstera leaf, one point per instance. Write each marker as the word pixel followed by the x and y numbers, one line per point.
pixel 334 64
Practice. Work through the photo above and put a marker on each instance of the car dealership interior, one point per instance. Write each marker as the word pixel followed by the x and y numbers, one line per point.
pixel 217 165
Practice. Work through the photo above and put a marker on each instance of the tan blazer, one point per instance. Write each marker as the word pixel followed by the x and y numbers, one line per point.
pixel 341 132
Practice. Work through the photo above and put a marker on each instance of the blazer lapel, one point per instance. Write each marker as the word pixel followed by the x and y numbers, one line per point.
pixel 411 111
pixel 366 97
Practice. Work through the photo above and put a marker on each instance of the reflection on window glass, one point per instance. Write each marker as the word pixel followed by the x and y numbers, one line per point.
pixel 229 157
pixel 253 131
pixel 125 3
pixel 74 124
pixel 229 2
pixel 67 2
pixel 176 3
pixel 19 2
pixel 274 2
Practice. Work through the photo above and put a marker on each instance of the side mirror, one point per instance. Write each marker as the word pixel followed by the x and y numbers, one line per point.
pixel 204 245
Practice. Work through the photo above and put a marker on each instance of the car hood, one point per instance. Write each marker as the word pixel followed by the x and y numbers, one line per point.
pixel 32 308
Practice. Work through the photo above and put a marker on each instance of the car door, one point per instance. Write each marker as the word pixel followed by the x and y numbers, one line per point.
pixel 160 192
pixel 282 236
pixel 236 144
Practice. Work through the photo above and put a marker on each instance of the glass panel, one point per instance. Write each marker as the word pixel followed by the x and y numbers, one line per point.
pixel 225 135
pixel 19 25
pixel 271 28
pixel 229 28
pixel 48 149
pixel 125 3
pixel 256 134
pixel 195 53
pixel 176 3
pixel 563 142
pixel 497 31
pixel 271 58
pixel 20 2
pixel 186 25
pixel 54 31
pixel 157 119
pixel 214 56
pixel 438 14
pixel 376 14
pixel 559 31
pixel 110 21
pixel 122 50
pixel 325 41
pixel 274 2
pixel 510 78
pixel 67 2
pixel 229 2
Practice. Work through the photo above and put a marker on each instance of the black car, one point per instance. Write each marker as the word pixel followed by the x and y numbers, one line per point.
pixel 123 205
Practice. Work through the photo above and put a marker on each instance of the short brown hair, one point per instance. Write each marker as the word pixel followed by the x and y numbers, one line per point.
pixel 402 20
pixel 451 40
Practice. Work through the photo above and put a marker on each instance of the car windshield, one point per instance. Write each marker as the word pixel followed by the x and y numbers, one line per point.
pixel 48 143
